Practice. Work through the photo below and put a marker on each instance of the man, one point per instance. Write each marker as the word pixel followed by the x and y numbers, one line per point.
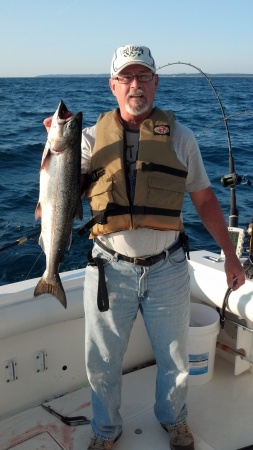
pixel 137 163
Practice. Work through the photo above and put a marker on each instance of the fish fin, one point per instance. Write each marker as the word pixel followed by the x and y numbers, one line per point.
pixel 46 155
pixel 55 289
pixel 79 210
pixel 38 211
pixel 41 243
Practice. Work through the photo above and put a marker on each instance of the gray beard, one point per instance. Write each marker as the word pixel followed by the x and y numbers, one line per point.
pixel 140 108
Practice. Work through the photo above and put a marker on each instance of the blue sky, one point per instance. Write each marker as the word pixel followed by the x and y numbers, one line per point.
pixel 79 36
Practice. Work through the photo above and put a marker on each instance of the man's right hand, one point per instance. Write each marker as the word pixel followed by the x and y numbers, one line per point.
pixel 47 123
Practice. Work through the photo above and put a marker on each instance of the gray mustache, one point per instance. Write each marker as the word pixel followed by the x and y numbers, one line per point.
pixel 136 92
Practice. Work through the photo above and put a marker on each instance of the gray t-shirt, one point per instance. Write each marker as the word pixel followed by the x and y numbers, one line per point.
pixel 145 241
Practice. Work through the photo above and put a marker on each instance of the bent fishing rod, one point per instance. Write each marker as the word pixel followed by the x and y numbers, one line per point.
pixel 232 179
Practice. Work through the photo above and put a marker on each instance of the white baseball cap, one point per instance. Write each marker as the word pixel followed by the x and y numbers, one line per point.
pixel 131 54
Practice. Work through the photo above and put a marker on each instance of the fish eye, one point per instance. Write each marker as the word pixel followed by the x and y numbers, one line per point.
pixel 71 124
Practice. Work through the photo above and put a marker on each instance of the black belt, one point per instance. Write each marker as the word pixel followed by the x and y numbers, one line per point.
pixel 150 260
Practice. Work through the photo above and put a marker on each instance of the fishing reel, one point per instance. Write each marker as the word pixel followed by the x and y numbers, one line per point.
pixel 234 179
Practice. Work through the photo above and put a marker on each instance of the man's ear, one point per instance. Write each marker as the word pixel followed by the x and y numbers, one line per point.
pixel 112 83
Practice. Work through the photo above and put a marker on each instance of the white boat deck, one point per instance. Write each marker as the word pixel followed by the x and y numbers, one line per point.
pixel 220 416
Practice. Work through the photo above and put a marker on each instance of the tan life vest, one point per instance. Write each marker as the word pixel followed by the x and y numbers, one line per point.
pixel 160 177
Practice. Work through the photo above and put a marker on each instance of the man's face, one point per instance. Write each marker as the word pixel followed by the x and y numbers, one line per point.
pixel 135 98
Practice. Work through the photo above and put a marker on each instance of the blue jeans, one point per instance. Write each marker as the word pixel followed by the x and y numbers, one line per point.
pixel 162 294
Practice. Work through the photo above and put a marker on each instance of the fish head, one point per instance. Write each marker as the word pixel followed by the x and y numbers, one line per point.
pixel 66 128
pixel 72 129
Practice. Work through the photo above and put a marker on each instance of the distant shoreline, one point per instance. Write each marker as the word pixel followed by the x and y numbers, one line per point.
pixel 178 75
pixel 174 75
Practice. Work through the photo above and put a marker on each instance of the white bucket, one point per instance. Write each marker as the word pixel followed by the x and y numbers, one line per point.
pixel 204 328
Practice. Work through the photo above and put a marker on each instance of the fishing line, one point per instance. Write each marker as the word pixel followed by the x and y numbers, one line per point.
pixel 33 265
pixel 20 241
pixel 239 113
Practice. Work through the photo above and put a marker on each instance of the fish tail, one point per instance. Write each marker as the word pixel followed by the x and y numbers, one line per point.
pixel 55 289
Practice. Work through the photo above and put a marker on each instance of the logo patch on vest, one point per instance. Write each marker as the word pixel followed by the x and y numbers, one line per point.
pixel 162 129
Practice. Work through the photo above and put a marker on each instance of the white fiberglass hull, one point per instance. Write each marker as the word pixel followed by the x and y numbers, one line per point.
pixel 42 358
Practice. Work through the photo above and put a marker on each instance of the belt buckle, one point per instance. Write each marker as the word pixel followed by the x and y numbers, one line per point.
pixel 137 261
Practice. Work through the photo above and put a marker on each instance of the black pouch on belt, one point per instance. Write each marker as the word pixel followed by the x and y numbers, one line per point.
pixel 102 296
pixel 184 239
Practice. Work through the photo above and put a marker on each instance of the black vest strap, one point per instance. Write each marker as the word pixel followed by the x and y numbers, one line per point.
pixel 115 210
pixel 165 169
pixel 99 218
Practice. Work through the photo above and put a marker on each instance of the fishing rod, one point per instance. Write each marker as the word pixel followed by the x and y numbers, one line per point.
pixel 232 179
pixel 21 240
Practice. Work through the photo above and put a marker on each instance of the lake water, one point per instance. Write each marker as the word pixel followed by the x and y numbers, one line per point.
pixel 25 102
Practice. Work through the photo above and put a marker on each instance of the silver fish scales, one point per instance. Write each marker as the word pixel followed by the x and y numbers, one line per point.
pixel 59 199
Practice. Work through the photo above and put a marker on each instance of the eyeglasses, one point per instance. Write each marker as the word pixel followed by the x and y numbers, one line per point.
pixel 142 77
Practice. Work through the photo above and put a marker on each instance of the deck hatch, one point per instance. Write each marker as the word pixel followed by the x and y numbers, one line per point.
pixel 39 441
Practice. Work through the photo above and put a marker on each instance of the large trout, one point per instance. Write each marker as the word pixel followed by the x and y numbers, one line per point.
pixel 59 199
